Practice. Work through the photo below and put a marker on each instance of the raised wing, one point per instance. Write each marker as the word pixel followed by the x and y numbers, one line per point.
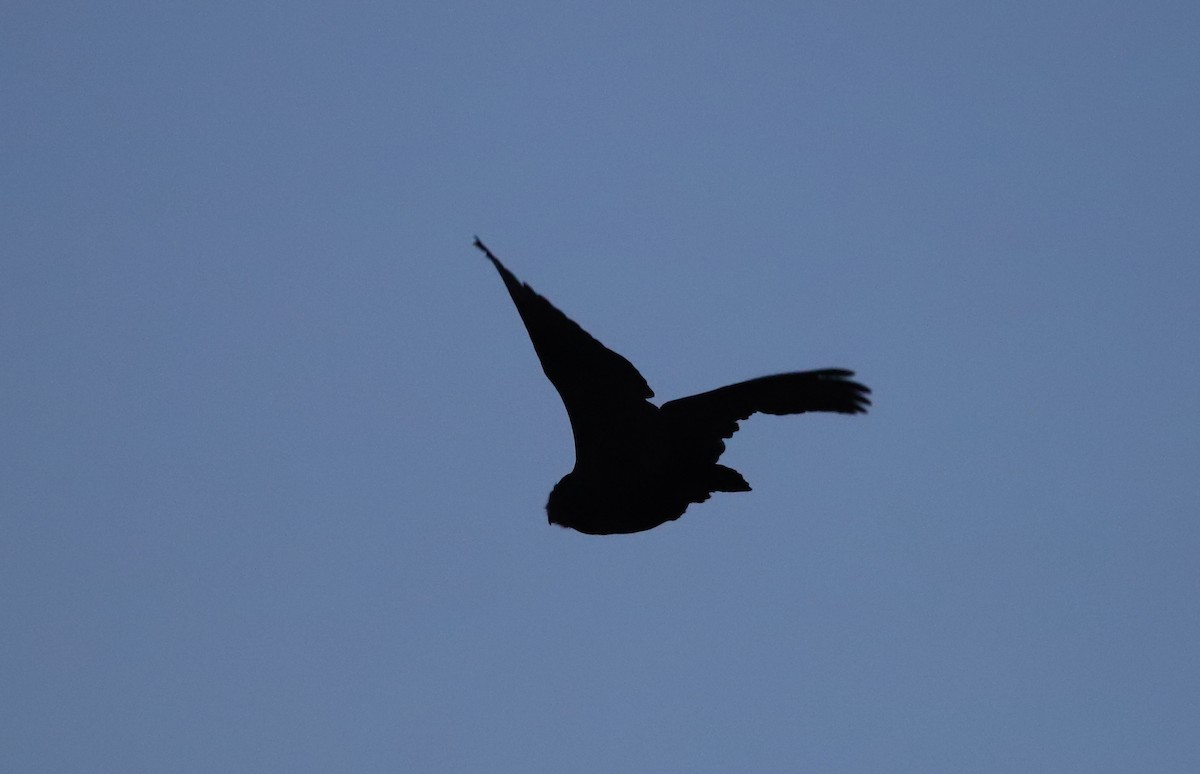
pixel 711 416
pixel 603 393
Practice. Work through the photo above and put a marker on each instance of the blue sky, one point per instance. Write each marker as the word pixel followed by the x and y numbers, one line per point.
pixel 276 446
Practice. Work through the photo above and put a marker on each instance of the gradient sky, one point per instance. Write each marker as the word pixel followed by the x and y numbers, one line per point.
pixel 276 446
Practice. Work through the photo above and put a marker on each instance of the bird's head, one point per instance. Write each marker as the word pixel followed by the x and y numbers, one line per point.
pixel 565 502
pixel 580 503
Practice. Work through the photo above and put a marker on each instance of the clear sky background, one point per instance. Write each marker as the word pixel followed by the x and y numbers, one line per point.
pixel 276 446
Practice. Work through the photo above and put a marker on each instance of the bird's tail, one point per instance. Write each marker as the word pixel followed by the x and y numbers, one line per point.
pixel 726 479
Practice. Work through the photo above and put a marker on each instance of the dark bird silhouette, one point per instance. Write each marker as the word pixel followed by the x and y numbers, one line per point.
pixel 638 465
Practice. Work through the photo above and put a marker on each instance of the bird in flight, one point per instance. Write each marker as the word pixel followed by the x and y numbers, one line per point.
pixel 638 465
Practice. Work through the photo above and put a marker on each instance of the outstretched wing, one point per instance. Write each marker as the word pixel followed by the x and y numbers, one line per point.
pixel 707 418
pixel 603 393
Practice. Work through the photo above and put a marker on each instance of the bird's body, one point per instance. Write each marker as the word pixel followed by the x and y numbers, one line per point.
pixel 638 465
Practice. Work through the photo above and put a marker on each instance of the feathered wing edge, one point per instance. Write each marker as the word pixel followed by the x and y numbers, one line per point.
pixel 604 394
pixel 572 358
pixel 711 416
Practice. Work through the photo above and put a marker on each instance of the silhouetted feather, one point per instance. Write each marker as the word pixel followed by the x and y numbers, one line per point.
pixel 637 465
